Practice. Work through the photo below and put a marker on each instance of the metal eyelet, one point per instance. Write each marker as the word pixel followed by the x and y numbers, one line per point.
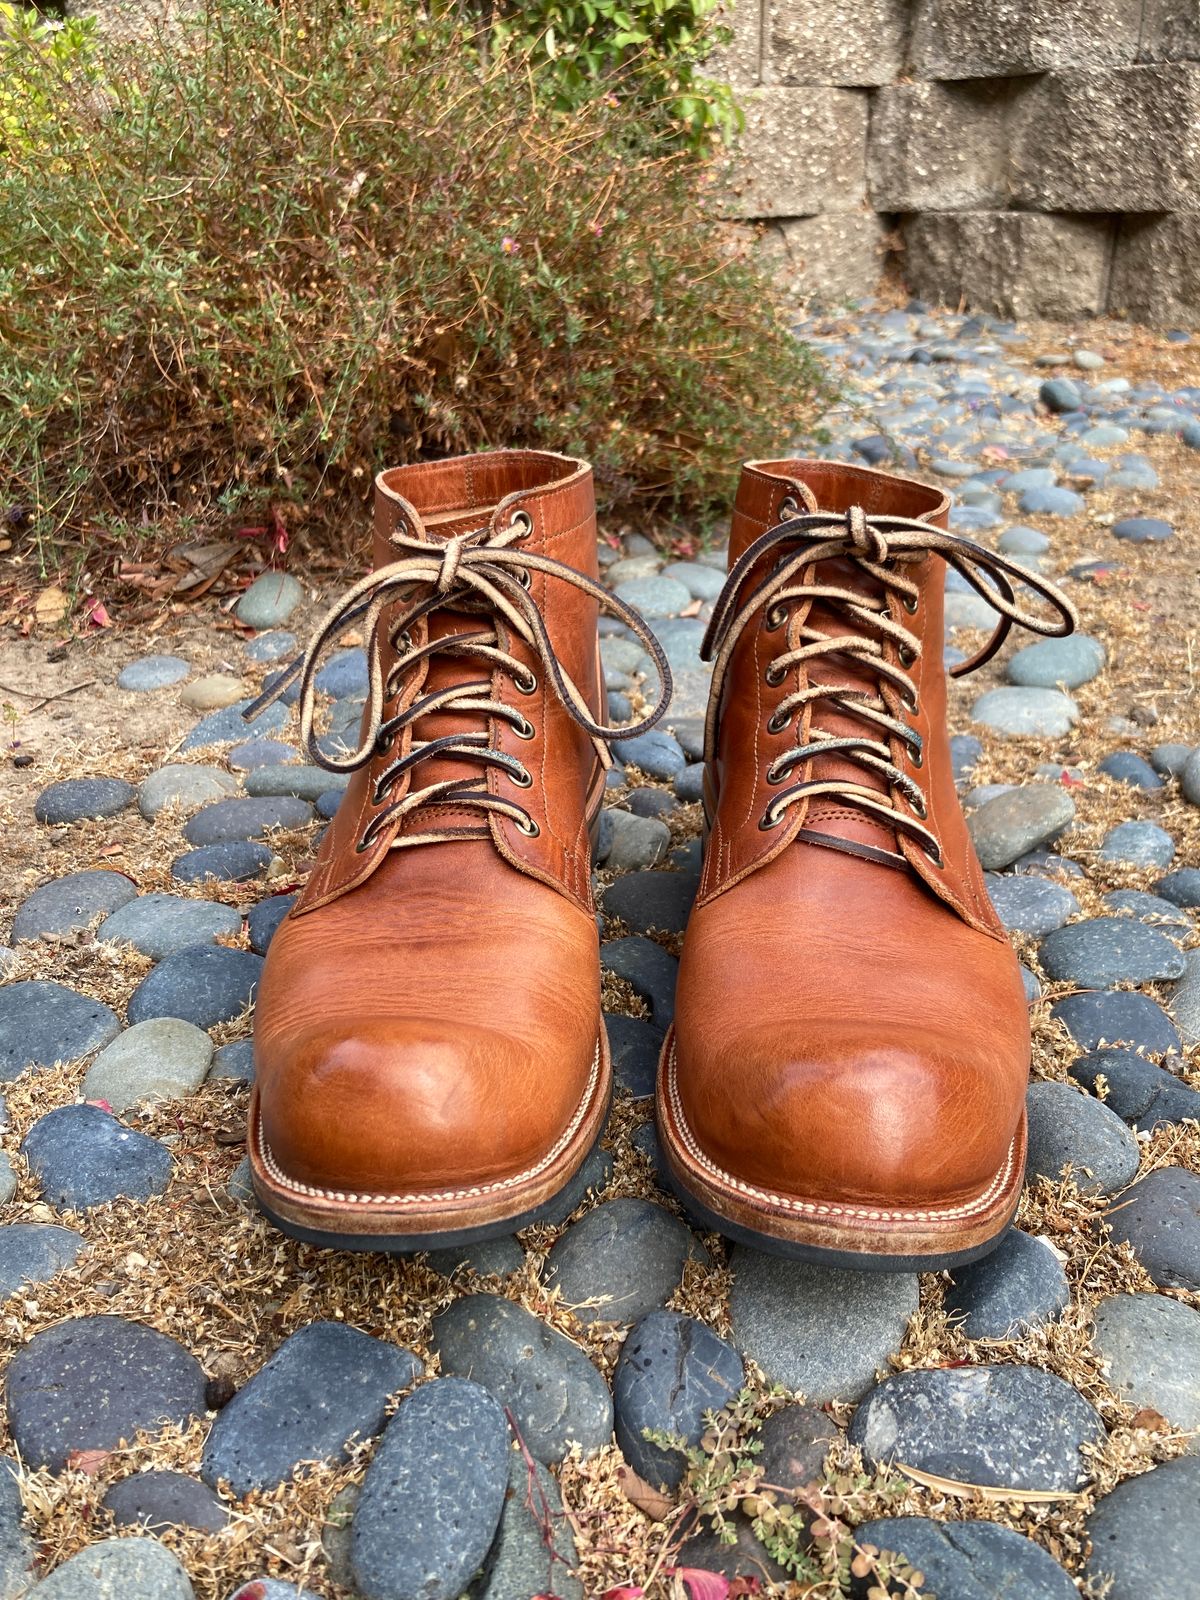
pixel 935 855
pixel 776 617
pixel 908 700
pixel 906 655
pixel 916 758
pixel 524 781
pixel 766 822
pixel 522 520
pixel 920 809
pixel 776 724
pixel 526 685
pixel 525 578
pixel 774 777
pixel 529 827
pixel 524 729
pixel 789 507
pixel 773 677
pixel 910 605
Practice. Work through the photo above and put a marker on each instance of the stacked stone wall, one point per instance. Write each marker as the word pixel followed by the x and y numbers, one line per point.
pixel 1026 157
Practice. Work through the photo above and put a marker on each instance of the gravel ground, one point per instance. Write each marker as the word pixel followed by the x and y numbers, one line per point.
pixel 181 1376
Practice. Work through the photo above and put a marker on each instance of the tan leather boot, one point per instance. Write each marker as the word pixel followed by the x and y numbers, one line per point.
pixel 846 1076
pixel 431 1065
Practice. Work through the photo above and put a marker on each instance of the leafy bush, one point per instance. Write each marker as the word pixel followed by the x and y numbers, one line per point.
pixel 665 41
pixel 28 37
pixel 303 240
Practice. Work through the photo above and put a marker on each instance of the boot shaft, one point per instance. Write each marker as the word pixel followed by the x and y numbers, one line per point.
pixel 845 663
pixel 485 716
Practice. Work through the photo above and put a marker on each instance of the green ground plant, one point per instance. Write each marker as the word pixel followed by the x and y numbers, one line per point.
pixel 293 242
pixel 808 1531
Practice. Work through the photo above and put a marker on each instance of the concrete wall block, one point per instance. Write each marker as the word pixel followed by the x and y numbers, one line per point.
pixel 1156 270
pixel 738 62
pixel 1170 31
pixel 857 43
pixel 1127 140
pixel 1001 38
pixel 1010 263
pixel 801 152
pixel 939 146
pixel 831 258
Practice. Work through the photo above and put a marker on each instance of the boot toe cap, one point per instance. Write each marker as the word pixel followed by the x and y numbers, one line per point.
pixel 841 1117
pixel 401 1108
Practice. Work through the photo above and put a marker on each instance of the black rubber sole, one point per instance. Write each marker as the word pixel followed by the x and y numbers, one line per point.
pixel 817 1255
pixel 556 1209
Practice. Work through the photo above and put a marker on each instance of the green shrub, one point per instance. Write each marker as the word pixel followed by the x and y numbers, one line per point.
pixel 59 53
pixel 664 42
pixel 306 240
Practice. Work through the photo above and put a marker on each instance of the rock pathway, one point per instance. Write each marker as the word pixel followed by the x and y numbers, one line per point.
pixel 313 1422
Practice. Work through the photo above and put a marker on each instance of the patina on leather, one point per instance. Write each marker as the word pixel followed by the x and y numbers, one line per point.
pixel 428 1043
pixel 851 1046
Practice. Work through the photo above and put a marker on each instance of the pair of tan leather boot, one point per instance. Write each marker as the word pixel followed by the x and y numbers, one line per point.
pixel 845 1077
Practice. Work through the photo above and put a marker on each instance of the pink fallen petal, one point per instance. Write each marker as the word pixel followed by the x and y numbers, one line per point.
pixel 702 1584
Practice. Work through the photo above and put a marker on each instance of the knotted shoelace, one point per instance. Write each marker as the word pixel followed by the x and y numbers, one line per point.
pixel 881 547
pixel 482 571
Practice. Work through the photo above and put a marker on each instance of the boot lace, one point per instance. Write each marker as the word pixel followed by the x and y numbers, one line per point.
pixel 881 547
pixel 482 571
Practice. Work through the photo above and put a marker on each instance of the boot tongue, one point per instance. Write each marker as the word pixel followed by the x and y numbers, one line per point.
pixel 445 671
pixel 828 815
pixel 759 500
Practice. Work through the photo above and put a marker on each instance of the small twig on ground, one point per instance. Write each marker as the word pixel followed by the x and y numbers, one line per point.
pixel 536 1500
pixel 59 694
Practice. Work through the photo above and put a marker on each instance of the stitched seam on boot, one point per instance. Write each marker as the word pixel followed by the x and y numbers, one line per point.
pixel 827 1208
pixel 436 1196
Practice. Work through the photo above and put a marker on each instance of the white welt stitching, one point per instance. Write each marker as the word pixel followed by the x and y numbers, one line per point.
pixel 823 1208
pixel 435 1196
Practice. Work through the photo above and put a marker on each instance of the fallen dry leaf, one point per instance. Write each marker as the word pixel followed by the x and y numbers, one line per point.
pixel 1149 1419
pixel 51 605
pixel 653 1502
